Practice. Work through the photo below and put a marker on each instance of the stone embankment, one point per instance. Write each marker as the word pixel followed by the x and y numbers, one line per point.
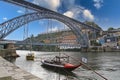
pixel 8 53
pixel 9 71
pixel 100 49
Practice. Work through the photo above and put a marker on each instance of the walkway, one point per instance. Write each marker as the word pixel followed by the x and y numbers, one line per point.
pixel 9 71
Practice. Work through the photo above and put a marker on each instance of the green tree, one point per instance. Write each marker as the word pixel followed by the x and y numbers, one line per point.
pixel 110 28
pixel 93 24
pixel 32 37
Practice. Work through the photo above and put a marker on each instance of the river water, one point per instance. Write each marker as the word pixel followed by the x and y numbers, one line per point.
pixel 106 64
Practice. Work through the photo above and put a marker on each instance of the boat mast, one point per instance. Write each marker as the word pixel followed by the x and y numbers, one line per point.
pixel 31 43
pixel 25 34
pixel 25 29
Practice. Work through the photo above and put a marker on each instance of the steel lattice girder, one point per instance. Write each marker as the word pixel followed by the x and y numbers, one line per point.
pixel 9 26
pixel 37 8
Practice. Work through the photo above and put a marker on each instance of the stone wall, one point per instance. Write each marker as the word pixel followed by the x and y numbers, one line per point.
pixel 8 53
pixel 9 71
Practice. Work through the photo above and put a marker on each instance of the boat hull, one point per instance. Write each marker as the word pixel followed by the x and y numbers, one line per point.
pixel 30 56
pixel 58 67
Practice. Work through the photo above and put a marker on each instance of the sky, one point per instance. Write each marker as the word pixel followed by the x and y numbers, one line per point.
pixel 105 13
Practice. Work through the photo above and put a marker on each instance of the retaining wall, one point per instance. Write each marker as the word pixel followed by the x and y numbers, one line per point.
pixel 9 71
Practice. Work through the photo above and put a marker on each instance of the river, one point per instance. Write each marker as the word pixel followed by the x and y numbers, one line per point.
pixel 106 64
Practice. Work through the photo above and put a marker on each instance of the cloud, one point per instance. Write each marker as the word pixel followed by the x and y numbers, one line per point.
pixel 20 11
pixel 68 3
pixel 76 11
pixel 5 18
pixel 71 9
pixel 88 15
pixel 98 3
pixel 53 29
pixel 69 14
pixel 50 4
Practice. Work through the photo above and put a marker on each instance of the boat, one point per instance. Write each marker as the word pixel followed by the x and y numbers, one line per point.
pixel 30 56
pixel 61 63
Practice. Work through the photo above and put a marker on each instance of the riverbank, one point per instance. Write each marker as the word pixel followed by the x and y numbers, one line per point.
pixel 5 53
pixel 99 49
pixel 105 63
pixel 9 71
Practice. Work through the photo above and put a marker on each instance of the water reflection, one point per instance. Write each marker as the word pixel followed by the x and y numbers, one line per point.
pixel 68 75
pixel 107 64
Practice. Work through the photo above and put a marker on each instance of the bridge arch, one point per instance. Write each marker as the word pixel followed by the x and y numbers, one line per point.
pixel 9 26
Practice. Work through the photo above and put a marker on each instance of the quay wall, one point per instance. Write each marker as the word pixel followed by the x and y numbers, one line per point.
pixel 9 71
pixel 100 49
pixel 8 53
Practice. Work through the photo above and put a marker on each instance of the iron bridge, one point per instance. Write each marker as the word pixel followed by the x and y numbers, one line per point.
pixel 42 13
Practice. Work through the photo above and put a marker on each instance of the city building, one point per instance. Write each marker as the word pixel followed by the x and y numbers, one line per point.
pixel 111 39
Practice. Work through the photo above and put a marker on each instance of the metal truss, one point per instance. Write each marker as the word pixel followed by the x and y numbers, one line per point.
pixel 9 26
pixel 42 13
pixel 37 8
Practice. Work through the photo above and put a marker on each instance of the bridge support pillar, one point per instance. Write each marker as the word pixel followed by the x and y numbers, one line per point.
pixel 84 49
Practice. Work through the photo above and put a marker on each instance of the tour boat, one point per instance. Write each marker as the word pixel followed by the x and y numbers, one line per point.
pixel 60 63
pixel 30 56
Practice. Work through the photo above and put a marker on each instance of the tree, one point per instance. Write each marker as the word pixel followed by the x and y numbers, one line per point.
pixel 110 28
pixel 93 24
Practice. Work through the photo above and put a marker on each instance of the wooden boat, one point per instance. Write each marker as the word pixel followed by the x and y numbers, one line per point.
pixel 59 63
pixel 30 56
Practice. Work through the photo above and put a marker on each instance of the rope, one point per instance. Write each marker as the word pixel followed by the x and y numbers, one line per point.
pixel 87 67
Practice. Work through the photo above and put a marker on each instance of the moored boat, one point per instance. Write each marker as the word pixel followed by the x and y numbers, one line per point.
pixel 60 63
pixel 30 56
